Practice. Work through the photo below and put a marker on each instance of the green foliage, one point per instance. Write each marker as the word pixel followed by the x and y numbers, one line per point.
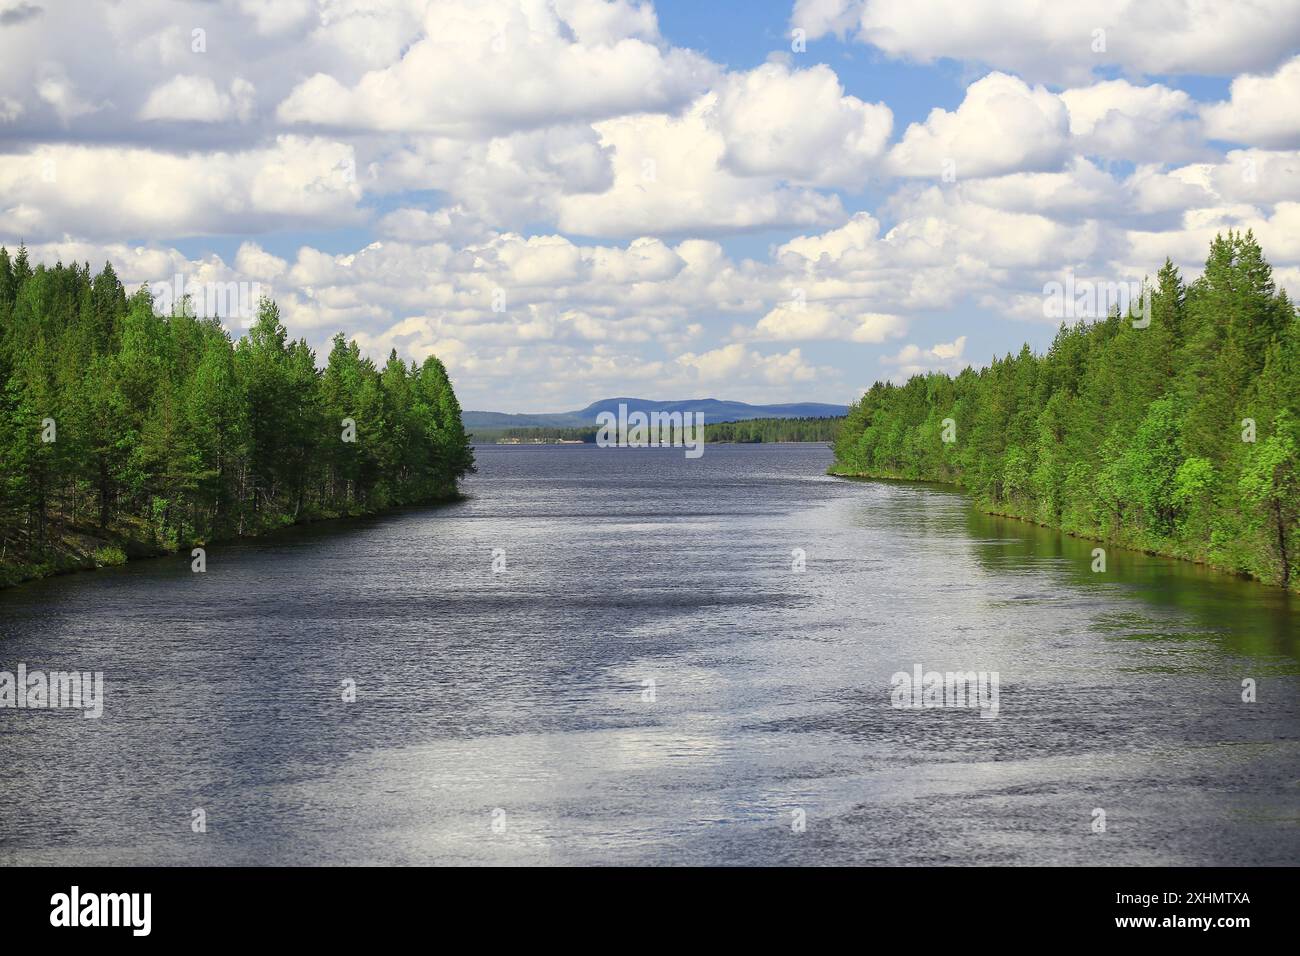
pixel 167 432
pixel 757 430
pixel 750 431
pixel 1270 484
pixel 1136 435
pixel 110 556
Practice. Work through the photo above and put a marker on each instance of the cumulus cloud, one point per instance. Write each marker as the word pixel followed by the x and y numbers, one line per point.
pixel 450 224
pixel 277 16
pixel 1261 110
pixel 1278 233
pixel 736 364
pixel 507 180
pixel 914 360
pixel 1249 176
pixel 1081 190
pixel 197 99
pixel 857 235
pixel 494 66
pixel 799 125
pixel 252 260
pixel 939 225
pixel 552 196
pixel 800 321
pixel 1119 120
pixel 1058 42
pixel 1002 125
pixel 105 191
pixel 670 177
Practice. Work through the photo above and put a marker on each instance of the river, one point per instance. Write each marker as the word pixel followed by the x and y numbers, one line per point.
pixel 645 677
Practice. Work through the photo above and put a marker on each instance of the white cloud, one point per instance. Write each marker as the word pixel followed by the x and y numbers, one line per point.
pixel 108 191
pixel 735 364
pixel 197 99
pixel 1082 190
pixel 938 226
pixel 251 259
pixel 484 66
pixel 857 235
pixel 669 178
pixel 133 264
pixel 941 357
pixel 507 180
pixel 478 146
pixel 1278 234
pixel 1250 176
pixel 1118 120
pixel 277 16
pixel 1055 42
pixel 817 320
pixel 1261 110
pixel 1001 126
pixel 818 18
pixel 799 125
pixel 451 224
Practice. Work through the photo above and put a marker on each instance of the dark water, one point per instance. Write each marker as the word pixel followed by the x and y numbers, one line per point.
pixel 522 693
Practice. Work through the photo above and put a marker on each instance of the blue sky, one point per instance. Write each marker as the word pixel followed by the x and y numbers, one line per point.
pixel 574 199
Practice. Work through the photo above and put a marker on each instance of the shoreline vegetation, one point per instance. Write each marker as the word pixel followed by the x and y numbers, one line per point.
pixel 88 548
pixel 128 434
pixel 1175 434
pixel 950 486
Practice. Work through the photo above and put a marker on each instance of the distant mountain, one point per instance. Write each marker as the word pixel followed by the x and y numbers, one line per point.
pixel 714 411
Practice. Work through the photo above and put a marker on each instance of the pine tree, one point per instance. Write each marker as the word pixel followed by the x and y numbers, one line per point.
pixel 168 432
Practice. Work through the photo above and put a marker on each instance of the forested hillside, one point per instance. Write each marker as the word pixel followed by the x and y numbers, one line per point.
pixel 1182 437
pixel 123 431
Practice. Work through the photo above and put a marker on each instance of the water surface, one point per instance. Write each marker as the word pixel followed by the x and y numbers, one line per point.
pixel 521 698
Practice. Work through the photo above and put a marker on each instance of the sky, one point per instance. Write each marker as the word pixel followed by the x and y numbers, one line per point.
pixel 569 200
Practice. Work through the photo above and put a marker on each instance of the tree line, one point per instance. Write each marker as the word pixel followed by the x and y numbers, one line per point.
pixel 758 430
pixel 748 431
pixel 1181 436
pixel 153 432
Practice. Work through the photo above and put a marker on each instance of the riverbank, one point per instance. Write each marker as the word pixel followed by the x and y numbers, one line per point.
pixel 1127 545
pixel 73 548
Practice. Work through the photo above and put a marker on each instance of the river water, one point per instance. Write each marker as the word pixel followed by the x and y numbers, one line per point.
pixel 649 679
